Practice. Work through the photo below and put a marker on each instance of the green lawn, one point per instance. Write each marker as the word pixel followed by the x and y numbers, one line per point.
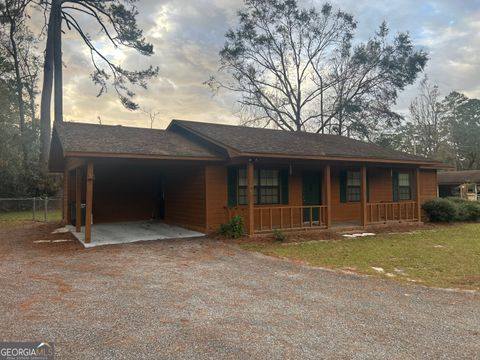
pixel 448 256
pixel 52 215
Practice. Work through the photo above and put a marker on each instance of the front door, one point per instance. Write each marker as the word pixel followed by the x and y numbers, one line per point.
pixel 312 184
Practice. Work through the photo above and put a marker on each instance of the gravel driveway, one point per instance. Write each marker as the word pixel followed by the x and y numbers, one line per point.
pixel 196 299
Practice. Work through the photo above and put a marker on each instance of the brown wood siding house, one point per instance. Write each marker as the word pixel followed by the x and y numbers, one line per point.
pixel 200 175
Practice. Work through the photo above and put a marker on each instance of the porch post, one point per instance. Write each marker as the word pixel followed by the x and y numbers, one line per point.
pixel 417 194
pixel 65 196
pixel 78 200
pixel 88 215
pixel 328 194
pixel 250 194
pixel 363 195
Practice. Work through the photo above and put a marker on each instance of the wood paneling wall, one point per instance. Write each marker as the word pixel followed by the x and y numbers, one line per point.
pixel 342 211
pixel 428 185
pixel 185 200
pixel 380 184
pixel 216 201
pixel 71 190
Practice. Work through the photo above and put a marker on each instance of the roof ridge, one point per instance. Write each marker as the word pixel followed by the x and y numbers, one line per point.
pixel 62 123
pixel 224 125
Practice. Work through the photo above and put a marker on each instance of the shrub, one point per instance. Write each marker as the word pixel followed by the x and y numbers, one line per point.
pixel 468 211
pixel 234 228
pixel 278 235
pixel 440 210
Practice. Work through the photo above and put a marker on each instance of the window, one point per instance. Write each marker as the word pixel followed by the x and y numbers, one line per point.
pixel 404 190
pixel 266 186
pixel 353 186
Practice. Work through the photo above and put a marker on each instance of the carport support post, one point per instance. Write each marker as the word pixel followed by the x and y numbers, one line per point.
pixel 78 200
pixel 88 215
pixel 250 192
pixel 417 194
pixel 363 194
pixel 65 197
pixel 328 194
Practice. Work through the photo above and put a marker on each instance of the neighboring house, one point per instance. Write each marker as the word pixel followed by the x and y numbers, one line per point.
pixel 464 184
pixel 199 175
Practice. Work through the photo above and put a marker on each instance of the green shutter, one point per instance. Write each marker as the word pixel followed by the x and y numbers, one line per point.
pixel 343 186
pixel 232 178
pixel 395 185
pixel 284 185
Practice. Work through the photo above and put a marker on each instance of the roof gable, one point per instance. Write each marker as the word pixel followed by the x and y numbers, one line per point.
pixel 77 138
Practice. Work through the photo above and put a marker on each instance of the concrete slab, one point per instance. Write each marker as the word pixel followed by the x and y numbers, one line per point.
pixel 128 232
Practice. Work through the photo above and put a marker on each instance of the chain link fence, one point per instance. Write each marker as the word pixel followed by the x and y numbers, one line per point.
pixel 31 209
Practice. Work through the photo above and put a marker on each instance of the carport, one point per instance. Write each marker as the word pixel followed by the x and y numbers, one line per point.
pixel 121 200
pixel 130 184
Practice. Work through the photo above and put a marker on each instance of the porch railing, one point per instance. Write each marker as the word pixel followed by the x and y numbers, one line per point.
pixel 383 212
pixel 269 218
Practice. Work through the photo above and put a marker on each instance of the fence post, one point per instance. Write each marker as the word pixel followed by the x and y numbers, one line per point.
pixel 33 209
pixel 46 209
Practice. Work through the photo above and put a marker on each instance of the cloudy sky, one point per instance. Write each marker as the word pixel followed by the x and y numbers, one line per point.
pixel 188 34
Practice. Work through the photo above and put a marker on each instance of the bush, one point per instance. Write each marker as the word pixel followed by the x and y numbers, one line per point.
pixel 440 210
pixel 278 235
pixel 468 211
pixel 234 228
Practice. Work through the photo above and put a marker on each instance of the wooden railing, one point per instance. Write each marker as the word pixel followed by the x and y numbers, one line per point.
pixel 269 218
pixel 384 212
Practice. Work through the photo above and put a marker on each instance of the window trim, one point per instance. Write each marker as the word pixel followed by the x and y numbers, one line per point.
pixel 359 187
pixel 258 187
pixel 400 187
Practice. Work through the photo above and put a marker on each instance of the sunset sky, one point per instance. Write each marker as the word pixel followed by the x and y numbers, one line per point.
pixel 187 36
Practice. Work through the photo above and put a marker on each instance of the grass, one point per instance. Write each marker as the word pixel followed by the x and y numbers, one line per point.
pixel 448 256
pixel 16 216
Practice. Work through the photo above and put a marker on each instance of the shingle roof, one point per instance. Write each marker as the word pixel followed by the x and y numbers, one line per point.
pixel 107 139
pixel 268 141
pixel 241 141
pixel 458 177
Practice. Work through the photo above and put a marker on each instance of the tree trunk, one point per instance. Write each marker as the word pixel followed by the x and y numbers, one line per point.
pixel 57 60
pixel 45 104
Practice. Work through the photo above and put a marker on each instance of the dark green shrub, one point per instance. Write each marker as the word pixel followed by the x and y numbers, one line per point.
pixel 440 210
pixel 234 228
pixel 278 235
pixel 468 211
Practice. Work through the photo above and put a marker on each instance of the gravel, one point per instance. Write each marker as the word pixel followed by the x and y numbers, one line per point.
pixel 198 298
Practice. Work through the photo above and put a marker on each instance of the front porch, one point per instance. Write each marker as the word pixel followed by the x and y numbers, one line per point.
pixel 372 194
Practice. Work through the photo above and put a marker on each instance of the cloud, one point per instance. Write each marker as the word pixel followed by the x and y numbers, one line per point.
pixel 187 36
